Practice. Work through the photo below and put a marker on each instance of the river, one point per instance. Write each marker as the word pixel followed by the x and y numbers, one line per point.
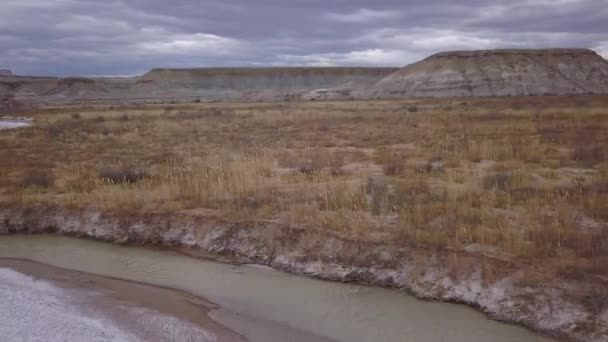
pixel 244 302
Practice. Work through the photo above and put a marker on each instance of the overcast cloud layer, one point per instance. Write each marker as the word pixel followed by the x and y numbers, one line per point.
pixel 111 37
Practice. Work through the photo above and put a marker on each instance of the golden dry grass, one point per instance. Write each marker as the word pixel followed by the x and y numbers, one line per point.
pixel 514 176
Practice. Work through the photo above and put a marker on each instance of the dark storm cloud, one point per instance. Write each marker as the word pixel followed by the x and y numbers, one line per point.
pixel 90 37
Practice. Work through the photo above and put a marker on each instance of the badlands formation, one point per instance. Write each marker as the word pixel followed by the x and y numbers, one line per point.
pixel 500 73
pixel 456 73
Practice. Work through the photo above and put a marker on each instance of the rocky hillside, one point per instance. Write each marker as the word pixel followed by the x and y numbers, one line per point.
pixel 498 73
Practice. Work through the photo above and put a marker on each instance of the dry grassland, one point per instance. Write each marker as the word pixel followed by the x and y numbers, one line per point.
pixel 511 177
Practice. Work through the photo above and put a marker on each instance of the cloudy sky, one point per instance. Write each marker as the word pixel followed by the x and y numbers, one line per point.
pixel 113 37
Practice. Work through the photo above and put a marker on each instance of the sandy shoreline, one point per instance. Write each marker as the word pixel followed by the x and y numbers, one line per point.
pixel 118 299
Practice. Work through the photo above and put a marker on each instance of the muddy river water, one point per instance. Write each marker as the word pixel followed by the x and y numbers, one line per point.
pixel 79 289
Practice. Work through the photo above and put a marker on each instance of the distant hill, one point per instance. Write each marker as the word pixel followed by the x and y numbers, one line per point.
pixel 204 83
pixel 253 83
pixel 498 73
pixel 455 73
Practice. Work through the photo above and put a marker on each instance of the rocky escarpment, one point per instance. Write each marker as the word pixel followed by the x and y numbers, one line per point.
pixel 498 73
pixel 505 289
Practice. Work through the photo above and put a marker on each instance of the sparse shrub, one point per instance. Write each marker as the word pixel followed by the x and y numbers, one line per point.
pixel 494 116
pixel 75 116
pixel 99 119
pixel 391 161
pixel 393 166
pixel 595 193
pixel 221 181
pixel 40 178
pixel 124 117
pixel 407 194
pixel 435 165
pixel 54 131
pixel 377 190
pixel 588 154
pixel 117 174
pixel 183 115
pixel 499 181
pixel 412 109
pixel 197 100
pixel 320 160
pixel 341 196
pixel 287 159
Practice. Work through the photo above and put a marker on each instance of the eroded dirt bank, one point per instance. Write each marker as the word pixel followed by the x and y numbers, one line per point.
pixel 510 290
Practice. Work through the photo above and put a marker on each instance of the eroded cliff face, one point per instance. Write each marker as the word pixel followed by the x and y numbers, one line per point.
pixel 505 289
pixel 498 73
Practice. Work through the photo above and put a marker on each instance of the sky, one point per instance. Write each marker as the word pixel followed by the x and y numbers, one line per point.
pixel 129 37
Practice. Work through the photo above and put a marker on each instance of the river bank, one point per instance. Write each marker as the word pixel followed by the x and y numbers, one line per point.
pixel 262 304
pixel 506 290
